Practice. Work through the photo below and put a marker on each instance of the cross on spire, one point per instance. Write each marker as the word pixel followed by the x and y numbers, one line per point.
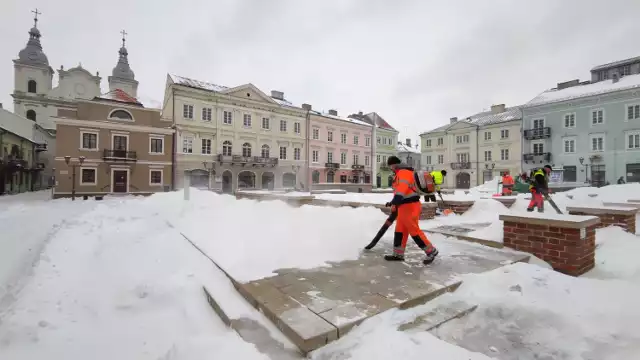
pixel 124 34
pixel 35 18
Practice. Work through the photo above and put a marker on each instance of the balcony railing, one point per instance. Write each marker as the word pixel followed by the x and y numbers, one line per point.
pixel 247 160
pixel 357 167
pixel 384 167
pixel 537 157
pixel 461 165
pixel 537 133
pixel 332 165
pixel 119 155
pixel 41 147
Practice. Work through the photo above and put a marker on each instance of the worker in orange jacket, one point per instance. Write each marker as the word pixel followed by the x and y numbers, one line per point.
pixel 406 201
pixel 507 184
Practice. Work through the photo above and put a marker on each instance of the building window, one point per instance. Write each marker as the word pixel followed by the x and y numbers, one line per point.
pixel 343 179
pixel 367 141
pixel 265 123
pixel 31 115
pixel 89 140
pixel 384 159
pixel 226 148
pixel 569 173
pixel 246 150
pixel 155 177
pixel 296 127
pixel 227 117
pixel 88 176
pixel 633 141
pixel 504 154
pixel 246 120
pixel 283 153
pixel 355 159
pixel 330 157
pixel 343 138
pixel 343 158
pixel 378 140
pixel 316 134
pixel 355 140
pixel 504 134
pixel 597 143
pixel 569 146
pixel 120 114
pixel 330 136
pixel 538 123
pixel 315 177
pixel 366 160
pixel 633 112
pixel 378 159
pixel 187 111
pixel 296 153
pixel 625 70
pixel 597 117
pixel 265 151
pixel 538 148
pixel 156 146
pixel 570 121
pixel 440 141
pixel 464 157
pixel 462 139
pixel 384 141
pixel 427 143
pixel 283 125
pixel 187 144
pixel 427 159
pixel 314 156
pixel 487 156
pixel 206 114
pixel 206 146
pixel 487 135
pixel 440 159
pixel 32 86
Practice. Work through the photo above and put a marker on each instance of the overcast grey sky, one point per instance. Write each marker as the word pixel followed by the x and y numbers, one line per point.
pixel 415 62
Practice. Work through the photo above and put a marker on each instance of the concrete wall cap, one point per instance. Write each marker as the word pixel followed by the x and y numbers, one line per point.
pixel 557 220
pixel 599 210
pixel 623 204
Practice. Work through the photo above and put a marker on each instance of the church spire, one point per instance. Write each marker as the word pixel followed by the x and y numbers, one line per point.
pixel 32 54
pixel 122 69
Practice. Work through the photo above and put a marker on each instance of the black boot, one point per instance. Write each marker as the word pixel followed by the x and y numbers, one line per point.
pixel 431 255
pixel 397 248
pixel 394 257
pixel 530 209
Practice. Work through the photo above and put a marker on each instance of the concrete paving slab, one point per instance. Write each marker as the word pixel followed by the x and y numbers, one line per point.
pixel 461 232
pixel 437 316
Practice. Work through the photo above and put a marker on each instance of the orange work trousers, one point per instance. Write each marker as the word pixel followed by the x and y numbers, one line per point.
pixel 408 224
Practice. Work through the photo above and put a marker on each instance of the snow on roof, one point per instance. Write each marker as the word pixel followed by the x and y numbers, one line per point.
pixel 405 148
pixel 17 125
pixel 485 118
pixel 348 119
pixel 120 96
pixel 149 102
pixel 180 80
pixel 579 91
pixel 617 63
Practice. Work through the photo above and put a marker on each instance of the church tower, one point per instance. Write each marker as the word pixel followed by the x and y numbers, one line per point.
pixel 122 76
pixel 32 74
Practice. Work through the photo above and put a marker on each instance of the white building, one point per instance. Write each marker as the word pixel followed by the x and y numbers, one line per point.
pixel 239 137
pixel 476 149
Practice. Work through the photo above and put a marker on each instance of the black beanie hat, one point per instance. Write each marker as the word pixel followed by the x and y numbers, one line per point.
pixel 393 160
pixel 549 167
pixel 444 172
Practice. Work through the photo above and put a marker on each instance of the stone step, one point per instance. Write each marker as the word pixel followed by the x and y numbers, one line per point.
pixel 438 315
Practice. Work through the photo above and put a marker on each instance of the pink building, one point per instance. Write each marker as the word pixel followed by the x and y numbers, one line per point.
pixel 339 152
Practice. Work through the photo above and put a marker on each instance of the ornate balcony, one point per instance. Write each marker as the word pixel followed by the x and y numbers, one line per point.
pixel 41 147
pixel 332 165
pixel 461 165
pixel 537 133
pixel 537 157
pixel 247 160
pixel 119 155
pixel 384 167
pixel 357 167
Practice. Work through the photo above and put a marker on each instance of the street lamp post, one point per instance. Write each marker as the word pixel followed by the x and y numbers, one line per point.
pixel 67 159
pixel 211 169
pixel 295 169
pixel 586 170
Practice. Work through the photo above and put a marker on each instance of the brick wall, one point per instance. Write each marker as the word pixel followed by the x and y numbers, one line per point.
pixel 625 221
pixel 561 247
pixel 458 207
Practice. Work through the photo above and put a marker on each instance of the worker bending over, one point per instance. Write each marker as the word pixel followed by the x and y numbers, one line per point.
pixel 507 184
pixel 438 179
pixel 539 188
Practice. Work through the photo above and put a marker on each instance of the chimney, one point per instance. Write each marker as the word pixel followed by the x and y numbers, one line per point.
pixel 360 113
pixel 333 112
pixel 277 94
pixel 497 109
pixel 568 84
pixel 408 142
pixel 307 107
pixel 453 119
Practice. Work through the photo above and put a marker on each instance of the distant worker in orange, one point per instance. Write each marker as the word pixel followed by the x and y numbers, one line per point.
pixel 406 201
pixel 507 184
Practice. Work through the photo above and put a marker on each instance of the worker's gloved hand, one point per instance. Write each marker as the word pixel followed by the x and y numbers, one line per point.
pixel 387 204
pixel 439 193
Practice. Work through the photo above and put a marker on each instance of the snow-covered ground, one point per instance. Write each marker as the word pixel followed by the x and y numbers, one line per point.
pixel 115 279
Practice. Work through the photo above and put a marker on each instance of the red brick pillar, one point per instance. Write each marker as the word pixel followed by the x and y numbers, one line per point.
pixel 458 206
pixel 566 242
pixel 624 217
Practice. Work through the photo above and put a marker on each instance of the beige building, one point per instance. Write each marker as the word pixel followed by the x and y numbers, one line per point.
pixel 113 145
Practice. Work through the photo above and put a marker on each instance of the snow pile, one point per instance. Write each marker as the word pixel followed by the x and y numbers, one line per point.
pixel 616 255
pixel 609 193
pixel 488 187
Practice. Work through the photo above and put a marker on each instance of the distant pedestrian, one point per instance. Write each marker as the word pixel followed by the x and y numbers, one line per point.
pixel 621 180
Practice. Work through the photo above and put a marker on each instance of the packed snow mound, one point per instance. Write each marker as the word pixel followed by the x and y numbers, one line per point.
pixel 487 187
pixel 616 255
pixel 609 193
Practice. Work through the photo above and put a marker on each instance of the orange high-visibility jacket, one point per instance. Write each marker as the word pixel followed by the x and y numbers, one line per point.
pixel 507 181
pixel 404 186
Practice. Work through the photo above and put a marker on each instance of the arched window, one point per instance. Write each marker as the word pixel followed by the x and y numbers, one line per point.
pixel 246 149
pixel 32 86
pixel 315 177
pixel 330 177
pixel 265 151
pixel 226 148
pixel 31 115
pixel 120 114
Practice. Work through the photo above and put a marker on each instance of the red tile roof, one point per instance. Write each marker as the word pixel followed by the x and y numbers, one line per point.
pixel 121 96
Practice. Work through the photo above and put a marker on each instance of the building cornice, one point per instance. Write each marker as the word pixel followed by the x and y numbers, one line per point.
pixel 110 125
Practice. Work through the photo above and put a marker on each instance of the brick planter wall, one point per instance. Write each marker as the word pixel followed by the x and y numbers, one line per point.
pixel 624 217
pixel 566 242
pixel 295 201
pixel 458 206
pixel 506 201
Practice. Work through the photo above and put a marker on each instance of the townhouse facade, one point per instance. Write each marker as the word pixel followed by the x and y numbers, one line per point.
pixel 341 152
pixel 588 131
pixel 235 138
pixel 410 154
pixel 476 149
pixel 112 145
